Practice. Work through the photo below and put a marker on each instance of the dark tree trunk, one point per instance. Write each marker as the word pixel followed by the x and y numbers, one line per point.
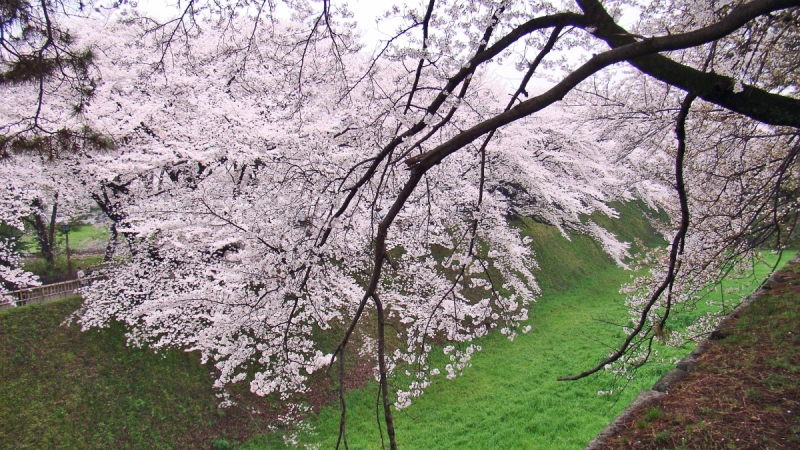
pixel 111 247
pixel 45 229
pixel 110 206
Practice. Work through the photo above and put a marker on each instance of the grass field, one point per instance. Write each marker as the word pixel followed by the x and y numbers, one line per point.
pixel 510 397
pixel 80 237
pixel 62 388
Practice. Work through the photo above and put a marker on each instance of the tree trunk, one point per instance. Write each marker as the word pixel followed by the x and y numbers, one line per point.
pixel 111 247
pixel 387 410
pixel 45 230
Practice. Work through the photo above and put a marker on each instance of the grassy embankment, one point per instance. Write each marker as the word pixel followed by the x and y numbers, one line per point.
pixel 60 388
pixel 510 398
pixel 63 388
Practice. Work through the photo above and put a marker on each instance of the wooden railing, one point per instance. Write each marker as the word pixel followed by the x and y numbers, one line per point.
pixel 45 293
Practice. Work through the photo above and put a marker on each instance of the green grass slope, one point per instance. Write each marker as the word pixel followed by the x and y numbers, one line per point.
pixel 67 389
pixel 81 238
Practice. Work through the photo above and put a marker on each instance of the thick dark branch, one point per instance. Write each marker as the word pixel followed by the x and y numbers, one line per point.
pixel 342 407
pixel 680 184
pixel 387 406
pixel 752 102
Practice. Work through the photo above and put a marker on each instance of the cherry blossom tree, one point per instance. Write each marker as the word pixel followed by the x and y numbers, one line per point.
pixel 39 193
pixel 242 202
pixel 14 204
pixel 276 181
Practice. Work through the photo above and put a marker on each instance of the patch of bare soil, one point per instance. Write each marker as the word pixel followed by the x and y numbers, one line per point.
pixel 745 391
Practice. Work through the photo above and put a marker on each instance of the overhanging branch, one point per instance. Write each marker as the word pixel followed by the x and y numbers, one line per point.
pixel 753 102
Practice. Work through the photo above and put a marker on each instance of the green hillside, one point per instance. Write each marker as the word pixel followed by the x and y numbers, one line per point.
pixel 63 388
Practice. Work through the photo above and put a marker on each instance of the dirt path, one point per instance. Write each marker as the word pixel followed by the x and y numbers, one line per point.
pixel 744 392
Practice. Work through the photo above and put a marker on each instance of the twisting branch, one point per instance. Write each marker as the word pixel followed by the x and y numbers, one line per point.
pixel 387 406
pixel 680 187
pixel 676 249
pixel 342 439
